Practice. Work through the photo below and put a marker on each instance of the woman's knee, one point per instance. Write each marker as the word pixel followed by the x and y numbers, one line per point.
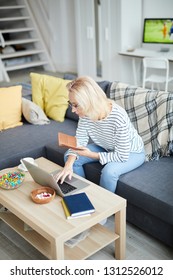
pixel 109 172
pixel 108 179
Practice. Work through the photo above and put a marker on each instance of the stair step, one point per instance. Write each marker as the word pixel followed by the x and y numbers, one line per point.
pixel 18 21
pixel 26 65
pixel 14 18
pixel 15 30
pixel 21 53
pixel 20 41
pixel 12 7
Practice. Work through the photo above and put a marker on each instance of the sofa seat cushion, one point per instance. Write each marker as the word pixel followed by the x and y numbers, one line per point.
pixel 55 153
pixel 150 188
pixel 30 140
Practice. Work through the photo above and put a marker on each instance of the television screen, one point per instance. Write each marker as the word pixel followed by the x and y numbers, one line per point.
pixel 158 30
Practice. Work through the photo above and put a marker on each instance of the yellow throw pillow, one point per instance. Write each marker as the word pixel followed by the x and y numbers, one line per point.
pixel 10 107
pixel 50 94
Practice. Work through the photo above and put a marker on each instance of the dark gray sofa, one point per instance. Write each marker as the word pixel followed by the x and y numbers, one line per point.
pixel 148 189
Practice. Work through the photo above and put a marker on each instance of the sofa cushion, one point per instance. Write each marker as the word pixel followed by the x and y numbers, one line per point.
pixel 50 94
pixel 70 115
pixel 10 107
pixel 33 113
pixel 26 90
pixel 69 76
pixel 30 140
pixel 106 86
pixel 150 188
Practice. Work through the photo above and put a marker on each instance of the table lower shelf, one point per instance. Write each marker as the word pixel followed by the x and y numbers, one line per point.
pixel 98 238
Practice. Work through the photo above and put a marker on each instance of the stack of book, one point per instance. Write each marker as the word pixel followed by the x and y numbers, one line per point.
pixel 77 205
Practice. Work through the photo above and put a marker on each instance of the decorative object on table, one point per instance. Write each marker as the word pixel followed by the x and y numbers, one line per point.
pixel 67 212
pixel 22 166
pixel 3 209
pixel 78 205
pixel 76 239
pixel 27 227
pixel 43 195
pixel 11 180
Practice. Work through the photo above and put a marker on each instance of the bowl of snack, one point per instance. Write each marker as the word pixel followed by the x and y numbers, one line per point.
pixel 43 195
pixel 11 180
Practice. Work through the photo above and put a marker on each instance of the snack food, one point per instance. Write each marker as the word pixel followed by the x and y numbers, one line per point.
pixel 11 180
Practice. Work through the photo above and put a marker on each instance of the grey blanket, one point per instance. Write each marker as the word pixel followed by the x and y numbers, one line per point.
pixel 151 113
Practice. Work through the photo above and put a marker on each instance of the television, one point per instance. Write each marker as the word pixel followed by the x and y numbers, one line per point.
pixel 158 31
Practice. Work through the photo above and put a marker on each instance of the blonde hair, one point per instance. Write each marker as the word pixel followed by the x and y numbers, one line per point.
pixel 90 97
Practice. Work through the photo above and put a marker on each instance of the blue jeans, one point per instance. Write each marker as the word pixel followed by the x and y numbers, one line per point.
pixel 111 171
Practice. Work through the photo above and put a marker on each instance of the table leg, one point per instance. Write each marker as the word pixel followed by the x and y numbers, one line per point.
pixel 134 71
pixel 120 229
pixel 57 250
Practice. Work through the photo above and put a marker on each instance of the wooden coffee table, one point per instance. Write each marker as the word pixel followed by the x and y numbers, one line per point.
pixel 51 229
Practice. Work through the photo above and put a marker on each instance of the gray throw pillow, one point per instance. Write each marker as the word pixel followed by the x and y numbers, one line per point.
pixel 33 113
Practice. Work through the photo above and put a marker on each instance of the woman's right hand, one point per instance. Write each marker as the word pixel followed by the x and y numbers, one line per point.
pixel 67 171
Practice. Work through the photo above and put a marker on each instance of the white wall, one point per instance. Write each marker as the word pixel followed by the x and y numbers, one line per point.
pixel 40 11
pixel 157 8
pixel 63 43
pixel 126 31
pixel 164 10
pixel 109 42
pixel 133 13
pixel 130 28
pixel 56 23
pixel 111 39
pixel 85 37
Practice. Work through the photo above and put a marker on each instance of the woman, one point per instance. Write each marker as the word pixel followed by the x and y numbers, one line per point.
pixel 116 143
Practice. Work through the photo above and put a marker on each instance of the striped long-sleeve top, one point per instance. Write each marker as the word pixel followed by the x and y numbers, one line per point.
pixel 115 134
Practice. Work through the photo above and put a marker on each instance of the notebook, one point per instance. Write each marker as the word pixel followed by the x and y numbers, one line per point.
pixel 45 178
pixel 78 204
pixel 67 212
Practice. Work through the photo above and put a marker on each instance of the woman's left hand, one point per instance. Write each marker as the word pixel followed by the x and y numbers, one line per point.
pixel 85 152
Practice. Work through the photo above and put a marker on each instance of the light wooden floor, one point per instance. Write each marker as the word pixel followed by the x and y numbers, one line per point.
pixel 139 246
